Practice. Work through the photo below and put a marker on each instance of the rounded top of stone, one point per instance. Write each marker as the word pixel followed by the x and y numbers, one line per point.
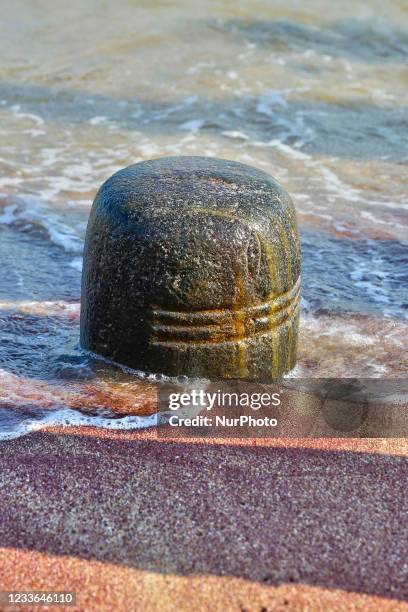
pixel 218 171
pixel 180 182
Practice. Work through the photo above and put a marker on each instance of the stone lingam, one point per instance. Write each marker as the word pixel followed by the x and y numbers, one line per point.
pixel 192 267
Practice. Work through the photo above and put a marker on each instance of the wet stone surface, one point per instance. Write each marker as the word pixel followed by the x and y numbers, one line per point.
pixel 192 266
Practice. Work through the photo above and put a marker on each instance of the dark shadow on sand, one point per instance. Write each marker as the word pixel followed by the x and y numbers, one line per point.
pixel 270 515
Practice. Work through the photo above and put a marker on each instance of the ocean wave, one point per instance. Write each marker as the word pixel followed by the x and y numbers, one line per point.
pixel 65 417
pixel 29 213
pixel 370 40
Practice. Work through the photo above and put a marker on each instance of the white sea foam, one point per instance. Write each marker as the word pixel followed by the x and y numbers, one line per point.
pixel 16 110
pixel 52 402
pixel 334 186
pixel 337 186
pixel 45 307
pixel 288 150
pixel 235 134
pixel 192 126
pixel 77 264
pixel 268 100
pixel 189 383
pixel 360 275
pixel 159 115
pixel 98 120
pixel 32 210
pixel 8 215
pixel 66 417
pixel 368 215
pixel 296 372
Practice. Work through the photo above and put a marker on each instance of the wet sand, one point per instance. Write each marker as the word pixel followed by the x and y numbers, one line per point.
pixel 130 521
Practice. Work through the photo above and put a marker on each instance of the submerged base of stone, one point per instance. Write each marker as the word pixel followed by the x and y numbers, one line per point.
pixel 257 342
pixel 257 359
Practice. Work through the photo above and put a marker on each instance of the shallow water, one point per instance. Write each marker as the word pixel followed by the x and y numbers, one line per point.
pixel 314 93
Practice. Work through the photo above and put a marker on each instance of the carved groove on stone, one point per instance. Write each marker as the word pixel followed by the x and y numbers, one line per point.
pixel 219 325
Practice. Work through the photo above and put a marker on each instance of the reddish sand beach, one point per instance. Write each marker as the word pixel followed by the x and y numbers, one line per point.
pixel 132 522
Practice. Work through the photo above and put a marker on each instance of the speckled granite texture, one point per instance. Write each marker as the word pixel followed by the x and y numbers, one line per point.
pixel 192 266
